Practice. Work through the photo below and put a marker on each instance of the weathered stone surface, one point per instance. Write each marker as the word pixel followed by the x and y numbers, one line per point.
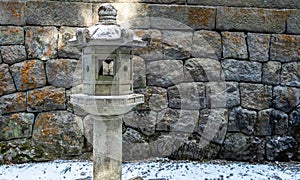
pixel 157 98
pixel 177 44
pixel 28 74
pixel 241 120
pixel 192 150
pixel 293 24
pixel 137 18
pixel 285 48
pixel 13 103
pixel 12 13
pixel 294 119
pixel 251 19
pixel 236 70
pixel 222 94
pixel 154 50
pixel 271 122
pixel 6 81
pixel 132 136
pixel 135 151
pixel 202 69
pixel 280 148
pixel 164 73
pixel 13 54
pixel 88 128
pixel 256 96
pixel 182 17
pixel 58 13
pixel 46 99
pixel 176 120
pixel 59 132
pixel 143 120
pixel 41 42
pixel 290 74
pixel 65 51
pixel 234 45
pixel 213 125
pixel 139 72
pixel 61 72
pixel 16 126
pixel 241 147
pixel 11 35
pixel 271 72
pixel 258 46
pixel 187 96
pixel 22 151
pixel 206 44
pixel 286 98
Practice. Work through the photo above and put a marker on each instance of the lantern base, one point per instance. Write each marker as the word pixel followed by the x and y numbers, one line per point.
pixel 107 105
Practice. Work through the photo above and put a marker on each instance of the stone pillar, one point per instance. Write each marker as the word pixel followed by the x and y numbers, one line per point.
pixel 107 148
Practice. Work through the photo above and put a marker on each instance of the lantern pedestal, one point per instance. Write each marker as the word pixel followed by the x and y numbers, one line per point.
pixel 107 148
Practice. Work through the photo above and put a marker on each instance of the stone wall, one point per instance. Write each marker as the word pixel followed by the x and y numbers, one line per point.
pixel 221 79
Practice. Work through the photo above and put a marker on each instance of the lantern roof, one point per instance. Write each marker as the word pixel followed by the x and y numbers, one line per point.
pixel 106 32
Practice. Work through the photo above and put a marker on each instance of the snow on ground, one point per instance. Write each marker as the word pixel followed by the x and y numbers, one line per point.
pixel 160 169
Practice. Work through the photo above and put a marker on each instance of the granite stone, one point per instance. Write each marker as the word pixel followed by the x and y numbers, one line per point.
pixel 11 35
pixel 11 103
pixel 6 81
pixel 234 45
pixel 258 46
pixel 13 54
pixel 285 48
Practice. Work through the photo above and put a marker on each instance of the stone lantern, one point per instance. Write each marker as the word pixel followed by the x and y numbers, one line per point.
pixel 107 51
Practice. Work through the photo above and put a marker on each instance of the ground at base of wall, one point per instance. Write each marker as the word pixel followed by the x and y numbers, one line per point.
pixel 160 169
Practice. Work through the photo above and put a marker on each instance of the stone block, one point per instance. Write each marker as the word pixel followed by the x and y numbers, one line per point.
pixel 258 46
pixel 256 96
pixel 154 50
pixel 13 54
pixel 236 70
pixel 177 120
pixel 41 42
pixel 23 154
pixel 234 45
pixel 245 3
pixel 12 13
pixel 251 19
pixel 46 99
pixel 11 35
pixel 61 72
pixel 280 148
pixel 202 69
pixel 242 120
pixel 59 132
pixel 286 98
pixel 130 15
pixel 196 151
pixel 181 17
pixel 6 81
pixel 28 74
pixel 139 72
pixel 158 99
pixel 238 146
pixel 294 119
pixel 293 24
pixel 285 48
pixel 271 122
pixel 65 51
pixel 164 73
pixel 145 121
pixel 58 13
pixel 177 40
pixel 271 72
pixel 135 151
pixel 13 103
pixel 206 44
pixel 290 74
pixel 187 96
pixel 222 94
pixel 213 125
pixel 15 126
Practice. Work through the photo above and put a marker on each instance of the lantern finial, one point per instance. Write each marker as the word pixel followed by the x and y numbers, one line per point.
pixel 107 14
